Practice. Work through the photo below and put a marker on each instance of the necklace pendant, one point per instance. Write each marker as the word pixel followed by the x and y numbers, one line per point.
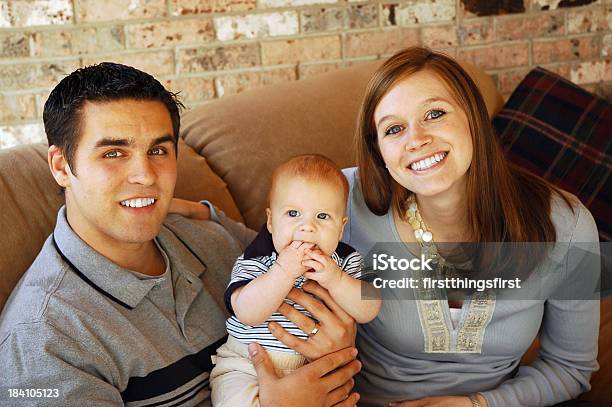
pixel 418 233
pixel 427 237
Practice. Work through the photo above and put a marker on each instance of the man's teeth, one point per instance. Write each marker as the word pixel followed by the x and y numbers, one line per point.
pixel 427 162
pixel 138 202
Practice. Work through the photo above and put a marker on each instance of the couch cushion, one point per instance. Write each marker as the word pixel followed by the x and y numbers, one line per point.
pixel 244 137
pixel 30 199
pixel 561 132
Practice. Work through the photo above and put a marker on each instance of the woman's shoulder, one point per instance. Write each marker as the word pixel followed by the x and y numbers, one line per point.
pixel 572 220
pixel 351 174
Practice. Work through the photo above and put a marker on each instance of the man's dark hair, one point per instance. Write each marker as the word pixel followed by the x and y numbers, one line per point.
pixel 104 82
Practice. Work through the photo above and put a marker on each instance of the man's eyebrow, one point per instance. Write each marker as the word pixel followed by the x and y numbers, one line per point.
pixel 117 142
pixel 122 142
pixel 163 139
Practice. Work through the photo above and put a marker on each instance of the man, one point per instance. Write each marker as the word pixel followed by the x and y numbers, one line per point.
pixel 118 308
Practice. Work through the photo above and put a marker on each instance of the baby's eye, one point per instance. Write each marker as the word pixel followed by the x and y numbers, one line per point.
pixel 113 154
pixel 435 114
pixel 323 216
pixel 393 130
pixel 293 213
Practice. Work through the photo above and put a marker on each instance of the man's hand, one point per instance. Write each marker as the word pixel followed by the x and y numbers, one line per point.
pixel 326 271
pixel 443 401
pixel 325 382
pixel 290 259
pixel 189 209
pixel 337 329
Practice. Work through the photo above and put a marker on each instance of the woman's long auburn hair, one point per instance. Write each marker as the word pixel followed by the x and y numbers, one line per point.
pixel 504 202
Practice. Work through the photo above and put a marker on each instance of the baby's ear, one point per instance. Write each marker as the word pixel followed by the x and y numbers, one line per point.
pixel 344 220
pixel 269 221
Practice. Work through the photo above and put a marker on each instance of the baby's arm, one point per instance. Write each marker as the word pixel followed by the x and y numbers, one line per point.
pixel 254 302
pixel 359 298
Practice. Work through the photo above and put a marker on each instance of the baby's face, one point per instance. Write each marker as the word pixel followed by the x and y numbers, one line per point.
pixel 306 211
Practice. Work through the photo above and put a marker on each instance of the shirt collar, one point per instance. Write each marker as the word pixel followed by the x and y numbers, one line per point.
pixel 112 280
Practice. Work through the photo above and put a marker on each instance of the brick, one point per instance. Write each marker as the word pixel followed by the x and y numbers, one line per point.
pixel 237 83
pixel 562 69
pixel 588 72
pixel 473 32
pixel 439 36
pixel 565 49
pixel 330 19
pixel 17 107
pixel 91 10
pixel 191 90
pixel 306 70
pixel 155 63
pixel 497 56
pixel 524 27
pixel 17 134
pixel 169 33
pixel 380 42
pixel 203 59
pixel 362 16
pixel 188 7
pixel 507 81
pixel 5 20
pixel 14 45
pixel 291 3
pixel 34 75
pixel 589 20
pixel 78 41
pixel 256 25
pixel 300 50
pixel 418 12
pixel 27 13
pixel 322 19
pixel 606 49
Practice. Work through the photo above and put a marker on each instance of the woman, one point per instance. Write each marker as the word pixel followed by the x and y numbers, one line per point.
pixel 430 171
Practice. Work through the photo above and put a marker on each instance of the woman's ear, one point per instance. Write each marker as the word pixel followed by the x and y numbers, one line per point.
pixel 59 166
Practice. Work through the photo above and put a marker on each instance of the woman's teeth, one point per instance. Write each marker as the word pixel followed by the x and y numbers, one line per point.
pixel 427 162
pixel 138 202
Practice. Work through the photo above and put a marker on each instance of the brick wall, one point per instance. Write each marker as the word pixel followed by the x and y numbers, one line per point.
pixel 211 48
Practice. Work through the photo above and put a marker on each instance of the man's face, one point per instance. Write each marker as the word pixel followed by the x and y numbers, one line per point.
pixel 126 171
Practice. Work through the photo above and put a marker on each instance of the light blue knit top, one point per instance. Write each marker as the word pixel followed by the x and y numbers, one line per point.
pixel 411 350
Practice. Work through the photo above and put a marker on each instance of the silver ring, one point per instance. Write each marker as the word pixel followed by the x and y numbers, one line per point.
pixel 314 330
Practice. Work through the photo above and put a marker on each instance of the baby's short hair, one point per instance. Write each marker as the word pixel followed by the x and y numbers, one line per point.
pixel 311 167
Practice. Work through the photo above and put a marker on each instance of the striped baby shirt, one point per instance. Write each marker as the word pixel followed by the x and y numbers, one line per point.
pixel 256 260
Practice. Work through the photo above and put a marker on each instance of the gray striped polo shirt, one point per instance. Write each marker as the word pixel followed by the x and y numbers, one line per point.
pixel 101 335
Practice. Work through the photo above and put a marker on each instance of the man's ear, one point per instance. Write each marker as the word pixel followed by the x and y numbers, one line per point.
pixel 59 166
pixel 269 221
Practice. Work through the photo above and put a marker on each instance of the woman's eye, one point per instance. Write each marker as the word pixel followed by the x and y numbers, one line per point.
pixel 293 213
pixel 157 151
pixel 323 216
pixel 113 154
pixel 435 114
pixel 393 130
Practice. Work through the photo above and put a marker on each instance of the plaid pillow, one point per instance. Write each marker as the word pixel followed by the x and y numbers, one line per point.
pixel 562 133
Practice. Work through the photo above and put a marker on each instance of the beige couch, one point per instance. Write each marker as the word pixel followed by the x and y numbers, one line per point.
pixel 231 147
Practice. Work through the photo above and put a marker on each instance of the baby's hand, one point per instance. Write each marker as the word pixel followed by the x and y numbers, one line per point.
pixel 290 259
pixel 326 271
pixel 189 209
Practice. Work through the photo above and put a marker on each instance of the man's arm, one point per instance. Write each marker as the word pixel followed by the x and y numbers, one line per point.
pixel 205 210
pixel 39 356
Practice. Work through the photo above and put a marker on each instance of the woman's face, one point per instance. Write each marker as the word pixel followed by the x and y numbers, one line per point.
pixel 424 135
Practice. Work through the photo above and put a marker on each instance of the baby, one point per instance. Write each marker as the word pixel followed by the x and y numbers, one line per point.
pixel 306 218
